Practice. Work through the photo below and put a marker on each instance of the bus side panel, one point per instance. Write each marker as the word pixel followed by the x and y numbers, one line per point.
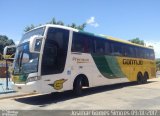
pixel 82 63
pixel 100 70
pixel 132 66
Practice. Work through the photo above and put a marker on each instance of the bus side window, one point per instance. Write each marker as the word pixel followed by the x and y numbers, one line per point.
pixel 142 52
pixel 147 54
pixel 117 49
pixel 87 44
pixel 107 48
pixel 91 45
pixel 129 51
pixel 99 46
pixel 138 52
pixel 133 51
pixel 77 43
pixel 82 43
pixel 152 55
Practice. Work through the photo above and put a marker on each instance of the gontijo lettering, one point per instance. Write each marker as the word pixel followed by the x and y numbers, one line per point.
pixel 132 62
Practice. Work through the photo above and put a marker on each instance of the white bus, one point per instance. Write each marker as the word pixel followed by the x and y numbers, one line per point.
pixel 53 58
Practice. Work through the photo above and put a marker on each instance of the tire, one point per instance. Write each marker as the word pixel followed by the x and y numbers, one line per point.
pixel 140 79
pixel 145 78
pixel 78 87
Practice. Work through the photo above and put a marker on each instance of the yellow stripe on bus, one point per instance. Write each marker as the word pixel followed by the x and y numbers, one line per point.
pixel 131 66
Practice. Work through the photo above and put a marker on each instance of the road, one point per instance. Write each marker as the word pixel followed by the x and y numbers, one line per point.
pixel 119 96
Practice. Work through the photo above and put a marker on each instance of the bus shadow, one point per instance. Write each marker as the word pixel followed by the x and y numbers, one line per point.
pixel 44 100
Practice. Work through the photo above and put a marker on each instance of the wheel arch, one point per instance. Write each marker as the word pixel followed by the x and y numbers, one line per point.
pixel 146 73
pixel 85 81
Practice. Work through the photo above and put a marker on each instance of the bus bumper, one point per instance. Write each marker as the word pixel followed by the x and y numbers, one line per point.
pixel 31 87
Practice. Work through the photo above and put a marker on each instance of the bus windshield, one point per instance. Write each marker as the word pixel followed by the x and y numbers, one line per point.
pixel 25 62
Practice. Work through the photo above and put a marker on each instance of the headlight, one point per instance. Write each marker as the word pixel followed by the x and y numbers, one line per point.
pixel 30 79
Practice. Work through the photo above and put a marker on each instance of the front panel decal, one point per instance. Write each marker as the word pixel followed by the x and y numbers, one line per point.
pixel 19 78
pixel 58 84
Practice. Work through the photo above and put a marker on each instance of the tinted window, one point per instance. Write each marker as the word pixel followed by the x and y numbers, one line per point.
pixel 141 52
pixel 144 53
pixel 147 54
pixel 151 54
pixel 82 43
pixel 129 51
pixel 117 49
pixel 99 46
pixel 55 51
pixel 107 47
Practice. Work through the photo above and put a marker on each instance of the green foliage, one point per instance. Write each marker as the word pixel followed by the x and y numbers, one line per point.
pixel 53 21
pixel 5 41
pixel 29 28
pixel 80 27
pixel 137 41
pixel 157 61
pixel 158 64
pixel 150 46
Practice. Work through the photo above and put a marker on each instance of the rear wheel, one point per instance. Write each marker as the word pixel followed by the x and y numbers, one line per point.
pixel 140 79
pixel 78 87
pixel 145 77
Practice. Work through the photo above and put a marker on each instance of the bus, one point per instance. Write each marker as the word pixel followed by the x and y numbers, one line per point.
pixel 54 58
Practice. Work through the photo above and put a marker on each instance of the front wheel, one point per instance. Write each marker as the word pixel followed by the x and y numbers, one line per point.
pixel 78 87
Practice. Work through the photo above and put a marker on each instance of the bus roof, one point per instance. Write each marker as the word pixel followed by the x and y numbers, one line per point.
pixel 116 39
pixel 52 25
pixel 100 35
pixel 124 41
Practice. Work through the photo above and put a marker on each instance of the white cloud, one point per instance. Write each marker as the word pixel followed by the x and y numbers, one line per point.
pixel 91 21
pixel 16 42
pixel 156 46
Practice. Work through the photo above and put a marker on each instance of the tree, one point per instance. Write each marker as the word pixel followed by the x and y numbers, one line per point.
pixel 137 41
pixel 158 64
pixel 5 41
pixel 81 27
pixel 150 46
pixel 29 28
pixel 158 61
pixel 53 21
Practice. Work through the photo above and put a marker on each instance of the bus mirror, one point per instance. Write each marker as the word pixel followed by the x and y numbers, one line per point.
pixel 9 52
pixel 35 44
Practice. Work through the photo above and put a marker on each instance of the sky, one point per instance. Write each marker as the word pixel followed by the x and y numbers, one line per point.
pixel 124 19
